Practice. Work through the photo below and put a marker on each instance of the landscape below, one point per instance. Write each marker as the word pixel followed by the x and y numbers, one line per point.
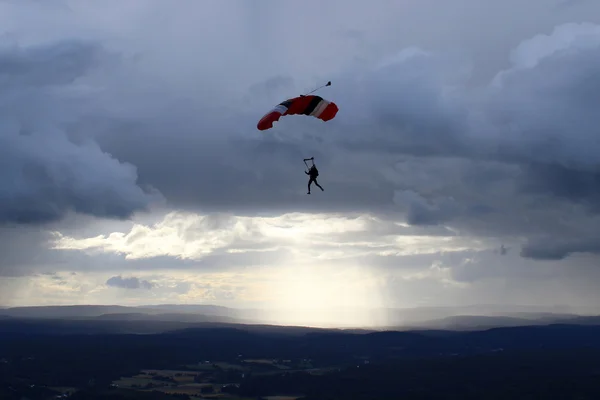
pixel 193 352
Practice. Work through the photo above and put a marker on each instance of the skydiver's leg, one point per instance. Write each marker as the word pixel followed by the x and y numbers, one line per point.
pixel 309 182
pixel 320 187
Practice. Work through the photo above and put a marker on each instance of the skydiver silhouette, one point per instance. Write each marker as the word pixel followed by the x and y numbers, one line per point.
pixel 313 172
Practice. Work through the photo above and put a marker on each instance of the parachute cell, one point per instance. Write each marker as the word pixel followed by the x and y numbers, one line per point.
pixel 310 105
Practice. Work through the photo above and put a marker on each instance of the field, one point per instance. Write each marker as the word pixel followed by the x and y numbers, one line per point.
pixel 218 380
pixel 169 381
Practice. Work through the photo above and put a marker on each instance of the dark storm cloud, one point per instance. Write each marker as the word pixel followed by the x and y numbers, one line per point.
pixel 44 175
pixel 54 65
pixel 129 283
pixel 420 212
pixel 538 120
pixel 541 110
pixel 557 248
pixel 565 4
pixel 24 251
pixel 577 186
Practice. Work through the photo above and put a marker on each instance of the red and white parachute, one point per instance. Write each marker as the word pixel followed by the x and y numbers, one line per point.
pixel 310 105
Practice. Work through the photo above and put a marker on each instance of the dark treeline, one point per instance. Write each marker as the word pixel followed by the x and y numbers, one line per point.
pixel 508 375
pixel 523 362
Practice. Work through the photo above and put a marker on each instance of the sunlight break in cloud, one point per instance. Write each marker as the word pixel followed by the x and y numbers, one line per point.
pixel 323 237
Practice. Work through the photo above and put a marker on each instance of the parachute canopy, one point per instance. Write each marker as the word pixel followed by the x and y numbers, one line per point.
pixel 310 105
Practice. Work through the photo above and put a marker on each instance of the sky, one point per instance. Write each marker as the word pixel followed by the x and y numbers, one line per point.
pixel 462 168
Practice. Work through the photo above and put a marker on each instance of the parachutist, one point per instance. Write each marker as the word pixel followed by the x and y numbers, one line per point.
pixel 313 172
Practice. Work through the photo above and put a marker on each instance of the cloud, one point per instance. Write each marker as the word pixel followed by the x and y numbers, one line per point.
pixel 551 248
pixel 128 283
pixel 523 146
pixel 420 212
pixel 44 174
pixel 99 288
pixel 291 238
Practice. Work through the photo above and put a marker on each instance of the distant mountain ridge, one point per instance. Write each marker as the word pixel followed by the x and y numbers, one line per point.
pixel 443 318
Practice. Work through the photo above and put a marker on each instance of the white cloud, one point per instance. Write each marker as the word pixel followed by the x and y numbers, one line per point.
pixel 436 272
pixel 307 236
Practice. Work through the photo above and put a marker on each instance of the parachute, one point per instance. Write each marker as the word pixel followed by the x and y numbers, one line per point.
pixel 310 105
